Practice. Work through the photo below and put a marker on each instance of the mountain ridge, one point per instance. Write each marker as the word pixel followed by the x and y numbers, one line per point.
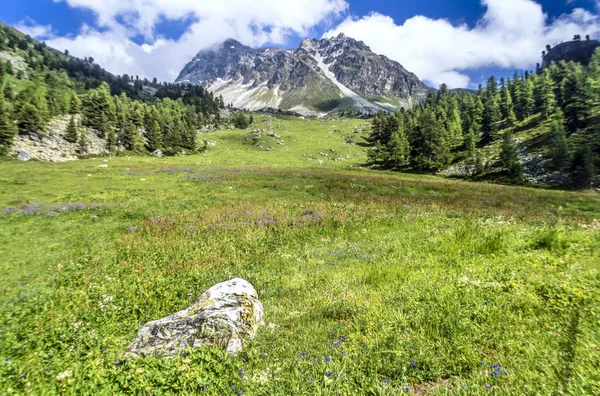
pixel 319 76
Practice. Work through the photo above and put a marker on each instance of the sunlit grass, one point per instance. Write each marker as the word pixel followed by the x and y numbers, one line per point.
pixel 372 282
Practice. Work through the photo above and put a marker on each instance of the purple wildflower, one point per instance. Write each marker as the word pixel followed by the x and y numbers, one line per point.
pixel 407 388
pixel 488 386
pixel 385 382
pixel 328 358
pixel 413 363
pixel 328 373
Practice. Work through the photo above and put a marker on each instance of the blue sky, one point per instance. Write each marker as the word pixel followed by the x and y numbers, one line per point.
pixel 458 42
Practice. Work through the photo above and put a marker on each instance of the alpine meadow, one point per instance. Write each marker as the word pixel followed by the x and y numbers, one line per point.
pixel 307 220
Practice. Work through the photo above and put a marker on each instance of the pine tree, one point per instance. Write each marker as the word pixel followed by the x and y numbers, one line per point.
pixel 8 129
pixel 559 151
pixel 398 150
pixel 583 170
pixel 429 150
pixel 83 143
pixel 74 104
pixel 576 103
pixel 71 134
pixel 29 119
pixel 491 116
pixel 544 94
pixel 509 158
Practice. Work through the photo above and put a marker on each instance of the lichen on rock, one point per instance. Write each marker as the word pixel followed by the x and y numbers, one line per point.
pixel 227 315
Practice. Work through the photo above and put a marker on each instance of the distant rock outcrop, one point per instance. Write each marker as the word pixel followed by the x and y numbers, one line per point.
pixel 318 76
pixel 227 314
pixel 576 51
pixel 52 146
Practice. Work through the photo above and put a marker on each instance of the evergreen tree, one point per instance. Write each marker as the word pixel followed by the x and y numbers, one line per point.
pixel 491 112
pixel 74 104
pixel 398 150
pixel 71 134
pixel 83 142
pixel 583 170
pixel 429 150
pixel 9 68
pixel 509 158
pixel 98 110
pixel 8 129
pixel 576 103
pixel 559 150
pixel 29 119
pixel 544 94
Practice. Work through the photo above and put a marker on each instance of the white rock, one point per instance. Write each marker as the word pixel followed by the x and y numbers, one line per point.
pixel 227 315
pixel 23 155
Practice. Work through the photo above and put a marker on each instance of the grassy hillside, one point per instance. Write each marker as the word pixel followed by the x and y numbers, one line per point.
pixel 408 283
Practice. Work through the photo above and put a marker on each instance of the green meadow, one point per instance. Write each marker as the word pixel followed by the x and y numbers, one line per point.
pixel 373 283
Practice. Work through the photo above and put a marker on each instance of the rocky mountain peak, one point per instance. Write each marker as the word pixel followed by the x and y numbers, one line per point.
pixel 319 76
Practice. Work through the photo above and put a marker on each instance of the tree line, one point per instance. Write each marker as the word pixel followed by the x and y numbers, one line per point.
pixel 561 100
pixel 131 114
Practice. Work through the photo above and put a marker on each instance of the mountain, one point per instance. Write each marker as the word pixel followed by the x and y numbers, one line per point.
pixel 319 76
pixel 572 51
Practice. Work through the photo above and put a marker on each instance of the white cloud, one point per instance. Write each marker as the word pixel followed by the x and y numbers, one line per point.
pixel 252 22
pixel 511 34
pixel 30 28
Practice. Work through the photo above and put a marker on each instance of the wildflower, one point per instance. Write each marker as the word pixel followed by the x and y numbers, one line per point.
pixel 382 360
pixel 488 386
pixel 22 376
pixel 272 346
pixel 464 387
pixel 264 355
pixel 241 372
pixel 328 373
pixel 6 361
pixel 328 358
pixel 506 373
pixel 407 388
pixel 404 328
pixel 232 387
pixel 204 388
pixel 240 393
pixel 413 363
pixel 346 379
pixel 481 364
pixel 310 378
pixel 385 382
pixel 303 354
pixel 495 374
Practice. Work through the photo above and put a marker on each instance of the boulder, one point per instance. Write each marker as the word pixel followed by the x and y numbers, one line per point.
pixel 227 315
pixel 23 155
pixel 157 153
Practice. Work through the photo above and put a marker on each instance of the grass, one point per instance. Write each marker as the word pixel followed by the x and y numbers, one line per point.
pixel 405 282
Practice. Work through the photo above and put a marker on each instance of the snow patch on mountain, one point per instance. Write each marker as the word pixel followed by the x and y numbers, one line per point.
pixel 246 96
pixel 362 102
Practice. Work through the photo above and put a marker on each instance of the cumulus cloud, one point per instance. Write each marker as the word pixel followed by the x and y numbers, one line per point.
pixel 511 34
pixel 30 28
pixel 252 22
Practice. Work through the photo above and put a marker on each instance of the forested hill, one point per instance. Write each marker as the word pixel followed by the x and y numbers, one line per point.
pixel 38 83
pixel 539 127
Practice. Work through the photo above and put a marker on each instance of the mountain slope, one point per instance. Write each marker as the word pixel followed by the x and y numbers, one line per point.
pixel 319 76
